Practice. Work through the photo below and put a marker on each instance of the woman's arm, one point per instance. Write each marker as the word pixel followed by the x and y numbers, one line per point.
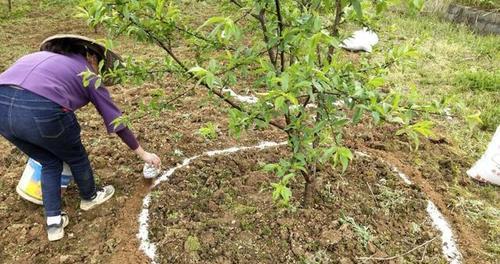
pixel 101 99
pixel 149 158
pixel 128 138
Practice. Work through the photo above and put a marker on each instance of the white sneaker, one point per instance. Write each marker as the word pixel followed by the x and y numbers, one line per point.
pixel 102 195
pixel 56 231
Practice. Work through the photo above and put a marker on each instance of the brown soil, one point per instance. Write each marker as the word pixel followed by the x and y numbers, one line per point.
pixel 227 208
pixel 203 201
pixel 439 169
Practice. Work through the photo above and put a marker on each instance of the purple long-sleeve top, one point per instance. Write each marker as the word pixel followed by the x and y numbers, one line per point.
pixel 56 77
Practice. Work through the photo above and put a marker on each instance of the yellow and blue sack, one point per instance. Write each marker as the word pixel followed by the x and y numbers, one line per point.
pixel 30 186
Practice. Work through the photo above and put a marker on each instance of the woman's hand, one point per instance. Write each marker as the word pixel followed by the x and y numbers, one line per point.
pixel 147 157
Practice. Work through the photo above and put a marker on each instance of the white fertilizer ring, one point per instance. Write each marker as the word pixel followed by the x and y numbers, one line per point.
pixel 449 246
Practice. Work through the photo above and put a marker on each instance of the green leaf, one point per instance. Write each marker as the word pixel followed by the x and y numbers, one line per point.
pixel 212 20
pixel 98 82
pixel 376 82
pixel 270 167
pixel 327 154
pixel 356 4
pixel 358 113
pixel 279 103
pixel 474 119
pixel 291 98
pixel 376 117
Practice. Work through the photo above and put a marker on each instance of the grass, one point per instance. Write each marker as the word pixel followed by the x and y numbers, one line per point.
pixel 363 232
pixel 479 80
pixel 481 209
pixel 461 67
pixel 484 4
pixel 448 54
pixel 208 131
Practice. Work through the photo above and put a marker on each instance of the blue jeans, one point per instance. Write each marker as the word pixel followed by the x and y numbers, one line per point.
pixel 41 129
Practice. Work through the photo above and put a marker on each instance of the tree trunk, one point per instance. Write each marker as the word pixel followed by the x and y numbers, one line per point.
pixel 335 27
pixel 309 191
pixel 10 5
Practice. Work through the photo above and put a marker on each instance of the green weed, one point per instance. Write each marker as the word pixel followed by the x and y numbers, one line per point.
pixel 363 232
pixel 390 199
pixel 480 211
pixel 177 136
pixel 208 131
pixel 192 244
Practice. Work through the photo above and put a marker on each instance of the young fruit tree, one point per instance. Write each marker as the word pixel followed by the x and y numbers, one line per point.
pixel 286 52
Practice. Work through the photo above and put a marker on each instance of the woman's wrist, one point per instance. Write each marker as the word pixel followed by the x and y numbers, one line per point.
pixel 139 151
pixel 147 157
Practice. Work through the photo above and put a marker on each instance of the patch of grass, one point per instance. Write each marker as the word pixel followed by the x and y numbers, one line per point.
pixel 247 225
pixel 479 80
pixel 363 232
pixel 241 209
pixel 490 114
pixel 390 199
pixel 447 50
pixel 192 244
pixel 483 4
pixel 461 67
pixel 19 9
pixel 480 210
pixel 436 6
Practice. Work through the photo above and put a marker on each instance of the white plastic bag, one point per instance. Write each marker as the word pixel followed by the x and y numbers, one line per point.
pixel 150 171
pixel 361 40
pixel 487 169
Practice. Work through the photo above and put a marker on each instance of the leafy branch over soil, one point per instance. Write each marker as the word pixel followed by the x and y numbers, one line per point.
pixel 304 66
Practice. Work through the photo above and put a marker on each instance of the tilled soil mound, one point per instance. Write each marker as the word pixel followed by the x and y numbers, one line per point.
pixel 220 210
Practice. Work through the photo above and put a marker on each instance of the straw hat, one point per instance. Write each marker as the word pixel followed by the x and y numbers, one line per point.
pixel 107 55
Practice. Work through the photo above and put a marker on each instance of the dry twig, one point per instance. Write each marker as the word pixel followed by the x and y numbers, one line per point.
pixel 399 255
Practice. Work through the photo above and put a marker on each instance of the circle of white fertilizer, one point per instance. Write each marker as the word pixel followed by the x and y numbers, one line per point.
pixel 449 246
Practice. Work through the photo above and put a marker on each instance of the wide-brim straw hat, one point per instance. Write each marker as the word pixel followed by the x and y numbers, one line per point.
pixel 109 57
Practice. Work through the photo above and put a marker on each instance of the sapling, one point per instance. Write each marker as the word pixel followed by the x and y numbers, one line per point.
pixel 287 54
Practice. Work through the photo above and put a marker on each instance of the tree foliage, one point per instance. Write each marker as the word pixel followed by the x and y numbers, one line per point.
pixel 287 53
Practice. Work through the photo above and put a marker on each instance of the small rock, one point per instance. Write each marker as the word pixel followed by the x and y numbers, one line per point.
pixel 330 237
pixel 67 259
pixel 213 206
pixel 372 248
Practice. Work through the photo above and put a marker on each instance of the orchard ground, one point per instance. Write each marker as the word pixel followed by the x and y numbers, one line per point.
pixel 220 209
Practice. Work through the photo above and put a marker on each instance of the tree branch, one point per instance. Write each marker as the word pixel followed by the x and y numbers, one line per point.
pixel 280 33
pixel 262 21
pixel 335 27
pixel 186 69
pixel 261 17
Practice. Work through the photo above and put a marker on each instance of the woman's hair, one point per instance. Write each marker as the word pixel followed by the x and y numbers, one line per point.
pixel 71 46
